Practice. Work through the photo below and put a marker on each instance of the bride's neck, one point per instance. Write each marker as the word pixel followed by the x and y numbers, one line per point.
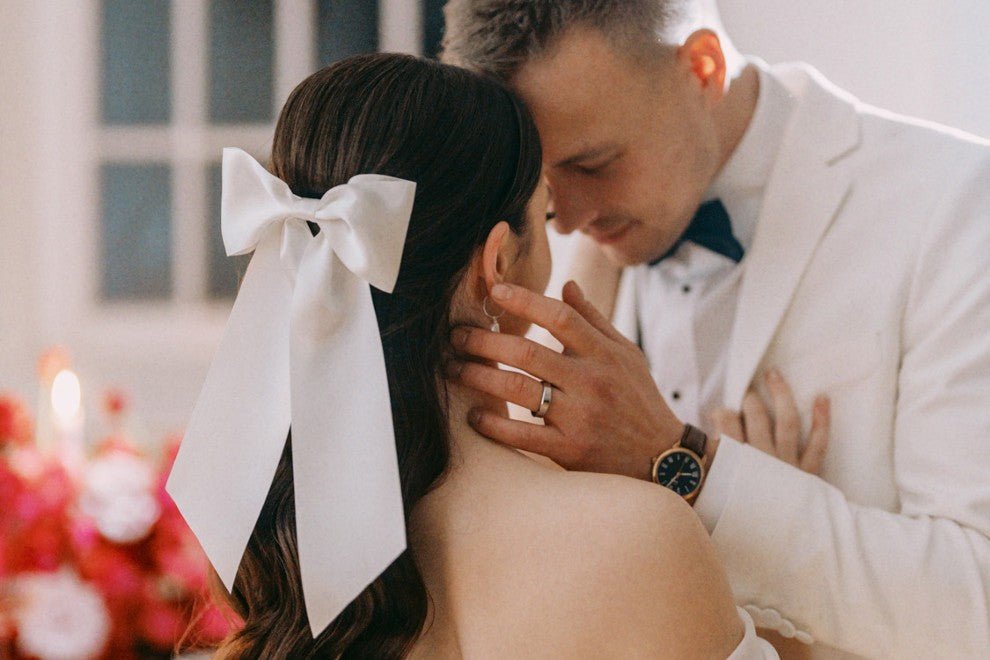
pixel 467 446
pixel 470 451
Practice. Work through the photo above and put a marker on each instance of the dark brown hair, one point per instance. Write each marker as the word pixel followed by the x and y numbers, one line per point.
pixel 473 151
pixel 498 37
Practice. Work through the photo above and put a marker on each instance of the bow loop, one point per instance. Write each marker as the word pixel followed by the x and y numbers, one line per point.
pixel 366 212
pixel 252 200
pixel 369 210
pixel 302 351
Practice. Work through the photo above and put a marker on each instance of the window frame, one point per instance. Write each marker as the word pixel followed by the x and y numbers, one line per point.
pixel 187 324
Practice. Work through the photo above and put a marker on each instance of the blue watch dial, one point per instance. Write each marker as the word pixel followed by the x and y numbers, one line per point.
pixel 680 472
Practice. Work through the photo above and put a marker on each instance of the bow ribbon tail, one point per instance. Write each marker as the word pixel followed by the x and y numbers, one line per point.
pixel 238 428
pixel 350 521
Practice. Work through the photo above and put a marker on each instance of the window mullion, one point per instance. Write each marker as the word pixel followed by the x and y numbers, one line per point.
pixel 188 157
pixel 400 26
pixel 295 47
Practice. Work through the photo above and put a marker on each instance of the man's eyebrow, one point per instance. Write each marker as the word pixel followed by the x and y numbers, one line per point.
pixel 587 154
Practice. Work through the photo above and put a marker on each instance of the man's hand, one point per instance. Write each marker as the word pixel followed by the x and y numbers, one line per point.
pixel 779 435
pixel 606 415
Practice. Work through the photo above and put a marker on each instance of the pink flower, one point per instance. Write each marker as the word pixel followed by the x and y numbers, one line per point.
pixel 43 545
pixel 28 506
pixel 113 570
pixel 8 627
pixel 56 488
pixel 16 425
pixel 185 563
pixel 115 443
pixel 115 401
pixel 83 534
pixel 161 623
pixel 170 448
pixel 26 462
pixel 214 625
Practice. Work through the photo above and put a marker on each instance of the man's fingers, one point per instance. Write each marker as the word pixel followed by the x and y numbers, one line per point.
pixel 557 317
pixel 545 440
pixel 518 352
pixel 787 427
pixel 503 384
pixel 756 423
pixel 574 296
pixel 814 452
pixel 728 422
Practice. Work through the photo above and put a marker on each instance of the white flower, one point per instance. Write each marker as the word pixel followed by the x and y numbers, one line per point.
pixel 59 617
pixel 117 493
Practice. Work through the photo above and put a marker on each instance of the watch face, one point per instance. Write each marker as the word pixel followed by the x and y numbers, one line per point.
pixel 680 472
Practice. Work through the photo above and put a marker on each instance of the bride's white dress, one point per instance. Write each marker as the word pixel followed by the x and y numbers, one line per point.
pixel 752 647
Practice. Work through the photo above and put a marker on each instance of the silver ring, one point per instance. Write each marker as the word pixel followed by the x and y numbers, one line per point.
pixel 545 399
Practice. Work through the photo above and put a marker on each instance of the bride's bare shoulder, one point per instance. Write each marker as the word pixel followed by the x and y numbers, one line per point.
pixel 628 560
pixel 577 564
pixel 633 523
pixel 604 503
pixel 605 493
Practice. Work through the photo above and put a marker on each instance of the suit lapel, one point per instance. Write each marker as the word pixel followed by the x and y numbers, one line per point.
pixel 806 188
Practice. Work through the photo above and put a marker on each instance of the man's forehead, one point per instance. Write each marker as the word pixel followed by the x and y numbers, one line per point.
pixel 578 131
pixel 568 140
pixel 579 65
pixel 576 91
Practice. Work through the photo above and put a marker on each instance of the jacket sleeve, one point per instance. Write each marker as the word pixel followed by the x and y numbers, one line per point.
pixel 807 562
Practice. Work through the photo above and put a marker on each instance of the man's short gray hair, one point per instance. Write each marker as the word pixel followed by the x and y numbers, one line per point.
pixel 499 36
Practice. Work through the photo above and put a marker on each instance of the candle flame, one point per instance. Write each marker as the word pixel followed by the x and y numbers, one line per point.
pixel 66 395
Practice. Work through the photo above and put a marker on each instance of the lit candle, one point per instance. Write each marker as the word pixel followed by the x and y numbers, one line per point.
pixel 67 417
pixel 50 363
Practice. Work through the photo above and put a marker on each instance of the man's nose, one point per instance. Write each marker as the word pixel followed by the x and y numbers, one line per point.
pixel 568 213
pixel 569 218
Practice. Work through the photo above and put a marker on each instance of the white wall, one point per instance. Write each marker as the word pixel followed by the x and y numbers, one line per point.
pixel 927 58
pixel 22 70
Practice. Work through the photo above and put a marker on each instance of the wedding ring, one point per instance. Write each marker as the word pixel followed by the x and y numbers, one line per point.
pixel 544 400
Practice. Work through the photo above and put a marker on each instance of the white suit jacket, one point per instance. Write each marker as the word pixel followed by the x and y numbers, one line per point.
pixel 869 280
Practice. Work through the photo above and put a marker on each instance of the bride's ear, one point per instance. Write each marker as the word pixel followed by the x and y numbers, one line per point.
pixel 494 255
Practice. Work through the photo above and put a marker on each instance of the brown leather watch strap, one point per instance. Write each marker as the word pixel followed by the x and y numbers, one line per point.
pixel 694 439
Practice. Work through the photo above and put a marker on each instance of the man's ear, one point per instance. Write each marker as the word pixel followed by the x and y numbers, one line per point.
pixel 702 54
pixel 494 261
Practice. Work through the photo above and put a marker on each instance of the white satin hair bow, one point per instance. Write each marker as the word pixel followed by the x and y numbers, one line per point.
pixel 302 347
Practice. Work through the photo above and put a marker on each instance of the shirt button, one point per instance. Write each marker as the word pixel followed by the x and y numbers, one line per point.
pixel 676 394
pixel 686 288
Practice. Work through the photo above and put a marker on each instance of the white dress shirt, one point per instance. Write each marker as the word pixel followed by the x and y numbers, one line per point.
pixel 687 302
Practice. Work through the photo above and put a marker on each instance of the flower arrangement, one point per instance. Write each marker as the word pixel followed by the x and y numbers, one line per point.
pixel 95 559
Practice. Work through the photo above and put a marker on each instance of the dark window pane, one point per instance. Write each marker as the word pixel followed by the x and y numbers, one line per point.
pixel 136 234
pixel 345 28
pixel 432 26
pixel 135 44
pixel 224 273
pixel 241 60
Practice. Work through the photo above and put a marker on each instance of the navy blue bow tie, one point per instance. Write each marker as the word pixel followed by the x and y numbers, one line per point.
pixel 712 229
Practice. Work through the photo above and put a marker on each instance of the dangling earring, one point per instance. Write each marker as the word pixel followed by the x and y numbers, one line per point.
pixel 484 307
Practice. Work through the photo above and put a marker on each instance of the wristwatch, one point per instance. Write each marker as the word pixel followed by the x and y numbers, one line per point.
pixel 682 467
